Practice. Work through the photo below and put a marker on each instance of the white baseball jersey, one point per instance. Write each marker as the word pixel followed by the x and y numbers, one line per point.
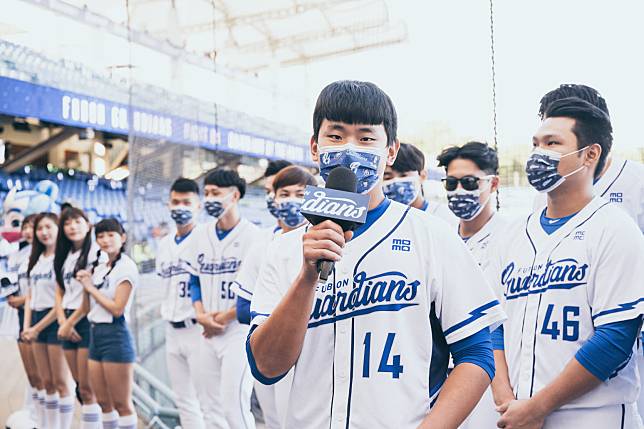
pixel 73 295
pixel 217 262
pixel 482 245
pixel 23 279
pixel 622 184
pixel 375 352
pixel 174 278
pixel 125 269
pixel 42 284
pixel 440 210
pixel 558 288
pixel 244 284
pixel 14 261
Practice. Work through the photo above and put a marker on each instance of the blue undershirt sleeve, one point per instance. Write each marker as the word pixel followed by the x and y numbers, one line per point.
pixel 195 288
pixel 497 339
pixel 610 348
pixel 243 310
pixel 475 349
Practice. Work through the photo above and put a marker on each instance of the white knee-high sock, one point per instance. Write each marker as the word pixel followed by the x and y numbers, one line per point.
pixel 40 408
pixel 111 420
pixel 128 422
pixel 33 404
pixel 52 412
pixel 66 407
pixel 90 417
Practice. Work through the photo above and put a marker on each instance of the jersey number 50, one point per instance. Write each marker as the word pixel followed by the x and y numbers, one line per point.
pixel 395 368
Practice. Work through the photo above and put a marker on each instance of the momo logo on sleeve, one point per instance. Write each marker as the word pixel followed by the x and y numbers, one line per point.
pixel 334 204
pixel 562 274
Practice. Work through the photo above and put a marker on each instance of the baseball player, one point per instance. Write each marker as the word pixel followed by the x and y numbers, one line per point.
pixel 213 254
pixel 183 334
pixel 471 183
pixel 288 187
pixel 403 182
pixel 571 277
pixel 370 346
pixel 621 181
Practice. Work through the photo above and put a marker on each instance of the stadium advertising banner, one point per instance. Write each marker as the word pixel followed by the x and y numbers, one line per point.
pixel 26 99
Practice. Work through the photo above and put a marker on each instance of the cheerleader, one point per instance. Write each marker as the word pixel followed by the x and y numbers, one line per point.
pixel 41 326
pixel 75 251
pixel 110 285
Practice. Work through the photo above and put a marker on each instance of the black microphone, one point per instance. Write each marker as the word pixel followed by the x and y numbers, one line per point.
pixel 339 202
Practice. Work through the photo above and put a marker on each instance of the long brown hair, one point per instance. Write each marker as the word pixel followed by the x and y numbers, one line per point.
pixel 64 245
pixel 37 248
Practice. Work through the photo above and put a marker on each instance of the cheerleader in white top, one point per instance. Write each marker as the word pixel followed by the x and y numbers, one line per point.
pixel 110 285
pixel 41 326
pixel 75 251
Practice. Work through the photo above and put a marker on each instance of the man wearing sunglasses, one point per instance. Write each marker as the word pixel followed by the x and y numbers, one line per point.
pixel 403 182
pixel 470 184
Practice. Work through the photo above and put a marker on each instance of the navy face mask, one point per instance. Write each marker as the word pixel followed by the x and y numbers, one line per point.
pixel 403 189
pixel 364 163
pixel 542 169
pixel 216 206
pixel 289 212
pixel 270 205
pixel 182 216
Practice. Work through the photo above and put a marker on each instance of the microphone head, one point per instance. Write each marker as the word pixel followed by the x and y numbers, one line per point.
pixel 342 179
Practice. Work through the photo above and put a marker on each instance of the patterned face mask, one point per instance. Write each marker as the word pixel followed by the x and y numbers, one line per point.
pixel 467 205
pixel 542 172
pixel 289 212
pixel 216 206
pixel 181 215
pixel 270 205
pixel 401 189
pixel 363 162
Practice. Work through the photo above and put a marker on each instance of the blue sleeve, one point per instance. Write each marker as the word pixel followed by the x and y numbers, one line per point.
pixel 610 348
pixel 497 339
pixel 243 310
pixel 253 365
pixel 195 288
pixel 475 349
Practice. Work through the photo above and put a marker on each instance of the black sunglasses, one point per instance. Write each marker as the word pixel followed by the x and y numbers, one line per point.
pixel 469 183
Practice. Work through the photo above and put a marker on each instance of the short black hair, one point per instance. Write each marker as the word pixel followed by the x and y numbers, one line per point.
pixel 225 177
pixel 481 154
pixel 409 158
pixel 568 90
pixel 356 102
pixel 276 166
pixel 592 125
pixel 184 185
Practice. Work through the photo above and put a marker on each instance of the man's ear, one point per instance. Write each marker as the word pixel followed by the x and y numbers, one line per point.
pixel 315 149
pixel 593 153
pixel 392 152
pixel 494 184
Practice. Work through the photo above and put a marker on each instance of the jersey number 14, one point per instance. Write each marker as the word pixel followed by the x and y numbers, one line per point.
pixel 395 368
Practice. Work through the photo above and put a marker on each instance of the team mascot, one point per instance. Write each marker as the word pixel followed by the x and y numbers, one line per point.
pixel 16 206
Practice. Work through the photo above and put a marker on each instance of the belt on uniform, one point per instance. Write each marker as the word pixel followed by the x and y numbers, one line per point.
pixel 183 323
